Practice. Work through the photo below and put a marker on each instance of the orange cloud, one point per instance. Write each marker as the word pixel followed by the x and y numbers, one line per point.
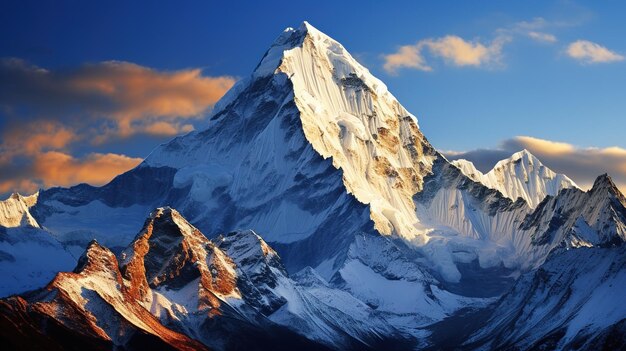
pixel 167 128
pixel 33 137
pixel 55 168
pixel 23 186
pixel 121 97
pixel 46 115
pixel 408 56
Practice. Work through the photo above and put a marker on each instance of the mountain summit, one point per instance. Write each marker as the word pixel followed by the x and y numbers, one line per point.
pixel 520 176
pixel 308 100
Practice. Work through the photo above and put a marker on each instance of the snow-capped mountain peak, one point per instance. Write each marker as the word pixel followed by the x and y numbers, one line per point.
pixel 349 115
pixel 521 175
pixel 15 211
pixel 169 253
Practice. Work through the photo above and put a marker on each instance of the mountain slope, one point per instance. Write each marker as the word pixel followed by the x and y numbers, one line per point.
pixel 311 149
pixel 30 258
pixel 379 236
pixel 14 211
pixel 575 218
pixel 89 305
pixel 172 283
pixel 521 175
pixel 568 303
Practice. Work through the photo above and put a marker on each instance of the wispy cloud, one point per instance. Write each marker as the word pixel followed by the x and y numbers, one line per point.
pixel 582 164
pixel 534 29
pixel 589 52
pixel 542 37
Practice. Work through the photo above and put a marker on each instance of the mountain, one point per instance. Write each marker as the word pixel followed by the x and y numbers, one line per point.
pixel 575 218
pixel 521 175
pixel 311 150
pixel 29 255
pixel 369 237
pixel 29 258
pixel 172 285
pixel 87 307
pixel 14 211
pixel 567 304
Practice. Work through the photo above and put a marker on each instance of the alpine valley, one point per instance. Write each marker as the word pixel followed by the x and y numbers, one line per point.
pixel 312 213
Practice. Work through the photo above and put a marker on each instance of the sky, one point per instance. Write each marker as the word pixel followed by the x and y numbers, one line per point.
pixel 88 89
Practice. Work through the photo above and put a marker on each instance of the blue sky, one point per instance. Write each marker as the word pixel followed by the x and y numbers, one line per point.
pixel 526 86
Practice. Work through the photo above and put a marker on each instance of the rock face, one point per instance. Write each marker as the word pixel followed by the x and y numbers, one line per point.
pixel 370 237
pixel 173 285
pixel 520 176
pixel 91 305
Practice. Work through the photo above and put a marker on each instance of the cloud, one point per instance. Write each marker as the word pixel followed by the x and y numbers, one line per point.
pixel 542 146
pixel 31 138
pixel 459 52
pixel 589 52
pixel 454 50
pixel 408 56
pixel 49 116
pixel 581 164
pixel 534 29
pixel 542 37
pixel 54 168
pixel 121 97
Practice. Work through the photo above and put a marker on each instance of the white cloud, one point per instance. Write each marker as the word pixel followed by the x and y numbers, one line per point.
pixel 452 49
pixel 534 29
pixel 589 52
pixel 542 37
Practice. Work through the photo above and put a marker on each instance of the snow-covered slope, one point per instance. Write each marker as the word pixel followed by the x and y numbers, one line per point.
pixel 572 302
pixel 311 150
pixel 307 101
pixel 521 175
pixel 14 211
pixel 575 218
pixel 29 255
pixel 30 258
